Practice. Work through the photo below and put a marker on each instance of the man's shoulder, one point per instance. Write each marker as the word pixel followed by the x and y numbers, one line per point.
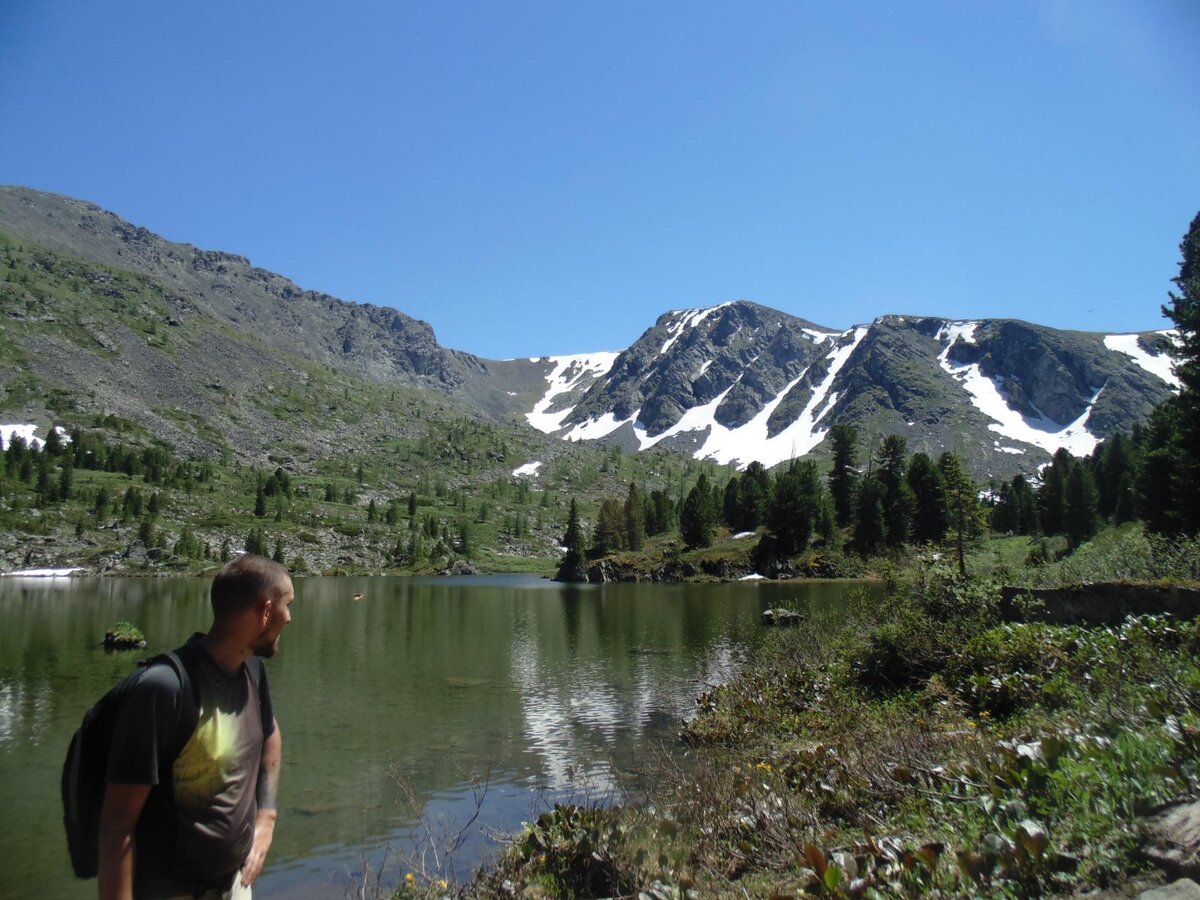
pixel 158 678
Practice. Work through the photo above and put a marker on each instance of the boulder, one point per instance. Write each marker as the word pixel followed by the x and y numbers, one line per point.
pixel 1183 889
pixel 781 617
pixel 1173 840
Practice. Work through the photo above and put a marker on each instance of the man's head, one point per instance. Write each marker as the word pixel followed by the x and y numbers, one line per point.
pixel 253 594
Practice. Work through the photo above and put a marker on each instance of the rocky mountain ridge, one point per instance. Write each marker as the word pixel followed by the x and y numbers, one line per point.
pixel 740 382
pixel 214 354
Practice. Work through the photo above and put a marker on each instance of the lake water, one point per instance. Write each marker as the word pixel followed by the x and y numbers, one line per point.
pixel 388 705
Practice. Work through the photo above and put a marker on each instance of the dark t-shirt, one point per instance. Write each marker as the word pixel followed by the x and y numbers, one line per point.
pixel 198 823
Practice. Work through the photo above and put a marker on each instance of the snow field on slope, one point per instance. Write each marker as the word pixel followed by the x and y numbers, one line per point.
pixel 748 442
pixel 986 397
pixel 1159 365
pixel 561 382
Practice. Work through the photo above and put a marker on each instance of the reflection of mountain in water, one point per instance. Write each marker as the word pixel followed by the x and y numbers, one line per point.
pixel 580 717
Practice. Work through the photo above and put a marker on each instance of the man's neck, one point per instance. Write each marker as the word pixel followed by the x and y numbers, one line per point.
pixel 226 650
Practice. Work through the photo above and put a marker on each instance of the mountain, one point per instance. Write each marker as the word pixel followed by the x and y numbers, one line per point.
pixel 105 319
pixel 740 382
pixel 205 350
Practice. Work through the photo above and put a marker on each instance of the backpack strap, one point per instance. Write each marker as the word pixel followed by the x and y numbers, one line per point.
pixel 189 698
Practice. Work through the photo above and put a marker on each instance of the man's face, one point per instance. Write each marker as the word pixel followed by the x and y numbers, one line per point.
pixel 281 613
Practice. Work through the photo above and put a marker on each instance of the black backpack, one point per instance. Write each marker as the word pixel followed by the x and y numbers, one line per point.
pixel 86 765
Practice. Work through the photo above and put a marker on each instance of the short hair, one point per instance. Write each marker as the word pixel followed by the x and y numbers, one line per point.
pixel 241 582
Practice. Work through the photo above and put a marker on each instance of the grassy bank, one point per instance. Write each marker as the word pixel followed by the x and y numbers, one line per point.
pixel 930 747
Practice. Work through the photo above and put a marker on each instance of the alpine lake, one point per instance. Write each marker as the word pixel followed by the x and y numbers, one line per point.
pixel 407 705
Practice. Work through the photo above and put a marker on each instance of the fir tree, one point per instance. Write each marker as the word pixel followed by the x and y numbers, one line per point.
pixel 1080 514
pixel 698 516
pixel 843 478
pixel 635 518
pixel 1184 312
pixel 570 568
pixel 925 482
pixel 869 531
pixel 898 501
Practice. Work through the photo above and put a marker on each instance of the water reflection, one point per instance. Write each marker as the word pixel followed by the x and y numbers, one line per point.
pixel 554 690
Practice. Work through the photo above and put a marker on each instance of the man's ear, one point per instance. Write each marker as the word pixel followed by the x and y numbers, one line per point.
pixel 264 609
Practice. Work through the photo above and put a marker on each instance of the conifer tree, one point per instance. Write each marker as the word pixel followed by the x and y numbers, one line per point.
pixel 570 568
pixel 898 501
pixel 1080 507
pixel 1184 312
pixel 635 518
pixel 698 516
pixel 925 482
pixel 962 505
pixel 843 478
pixel 869 531
pixel 1051 495
pixel 610 529
pixel 66 472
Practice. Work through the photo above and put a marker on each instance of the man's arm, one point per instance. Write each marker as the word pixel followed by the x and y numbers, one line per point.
pixel 118 816
pixel 264 824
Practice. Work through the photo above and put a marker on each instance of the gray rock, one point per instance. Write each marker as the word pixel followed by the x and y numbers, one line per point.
pixel 1173 840
pixel 599 573
pixel 1183 889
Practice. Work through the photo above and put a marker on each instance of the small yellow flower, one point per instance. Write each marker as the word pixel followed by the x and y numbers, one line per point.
pixel 442 885
pixel 409 878
pixel 985 714
pixel 970 724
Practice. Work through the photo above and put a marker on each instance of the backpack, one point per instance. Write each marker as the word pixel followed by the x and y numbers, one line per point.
pixel 84 771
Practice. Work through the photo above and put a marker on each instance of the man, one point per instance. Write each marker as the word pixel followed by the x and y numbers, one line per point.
pixel 198 822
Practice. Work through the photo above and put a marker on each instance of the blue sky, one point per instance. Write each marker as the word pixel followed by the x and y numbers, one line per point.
pixel 535 178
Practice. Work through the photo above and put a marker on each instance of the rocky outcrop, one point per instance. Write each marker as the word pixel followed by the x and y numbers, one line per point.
pixel 1172 840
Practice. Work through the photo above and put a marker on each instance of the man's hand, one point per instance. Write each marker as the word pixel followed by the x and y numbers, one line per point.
pixel 264 831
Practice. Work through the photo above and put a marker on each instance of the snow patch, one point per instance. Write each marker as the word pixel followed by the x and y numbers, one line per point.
pixel 42 573
pixel 743 534
pixel 685 320
pixel 568 373
pixel 703 369
pixel 593 429
pixel 1159 365
pixel 750 441
pixel 28 434
pixel 987 397
pixel 753 576
pixel 529 469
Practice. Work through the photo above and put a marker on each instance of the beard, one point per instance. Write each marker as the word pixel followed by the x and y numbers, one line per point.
pixel 266 647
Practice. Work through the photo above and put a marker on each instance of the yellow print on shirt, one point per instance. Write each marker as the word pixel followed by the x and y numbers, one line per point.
pixel 203 768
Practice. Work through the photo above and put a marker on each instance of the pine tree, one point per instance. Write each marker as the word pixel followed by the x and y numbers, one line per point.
pixel 898 500
pixel 795 507
pixel 609 535
pixel 963 515
pixel 1052 493
pixel 1080 513
pixel 843 478
pixel 869 531
pixel 698 516
pixel 925 482
pixel 1184 312
pixel 65 473
pixel 635 518
pixel 570 568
